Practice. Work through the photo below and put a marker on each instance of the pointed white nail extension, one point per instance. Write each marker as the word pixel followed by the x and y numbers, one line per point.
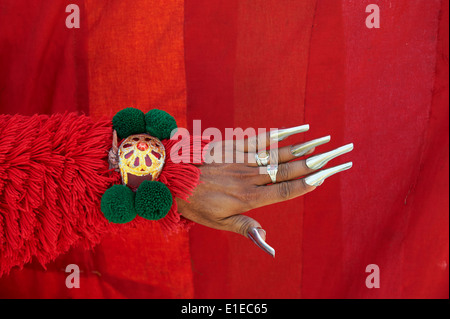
pixel 302 149
pixel 279 135
pixel 318 178
pixel 319 161
pixel 256 238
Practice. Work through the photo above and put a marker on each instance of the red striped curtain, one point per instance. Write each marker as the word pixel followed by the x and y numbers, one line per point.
pixel 257 64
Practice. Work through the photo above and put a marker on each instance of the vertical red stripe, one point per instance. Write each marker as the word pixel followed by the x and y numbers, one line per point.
pixel 325 101
pixel 236 78
pixel 210 52
pixel 379 82
pixel 136 58
pixel 427 241
pixel 41 61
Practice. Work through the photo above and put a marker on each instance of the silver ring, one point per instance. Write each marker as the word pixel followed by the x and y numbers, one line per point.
pixel 272 170
pixel 262 159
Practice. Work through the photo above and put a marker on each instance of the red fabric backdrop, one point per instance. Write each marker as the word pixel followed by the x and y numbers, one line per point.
pixel 282 63
pixel 258 64
pixel 115 60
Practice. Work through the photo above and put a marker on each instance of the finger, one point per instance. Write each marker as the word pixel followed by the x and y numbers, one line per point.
pixel 264 140
pixel 291 189
pixel 250 228
pixel 253 143
pixel 286 172
pixel 289 153
pixel 283 191
pixel 295 169
pixel 113 155
pixel 115 146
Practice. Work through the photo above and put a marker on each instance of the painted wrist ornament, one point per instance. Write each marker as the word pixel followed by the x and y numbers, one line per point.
pixel 142 159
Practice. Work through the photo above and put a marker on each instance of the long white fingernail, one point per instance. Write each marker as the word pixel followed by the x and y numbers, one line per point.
pixel 302 149
pixel 319 161
pixel 281 134
pixel 318 178
pixel 255 237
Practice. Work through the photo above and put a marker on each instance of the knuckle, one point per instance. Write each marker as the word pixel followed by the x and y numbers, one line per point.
pixel 244 227
pixel 248 197
pixel 236 223
pixel 244 174
pixel 262 140
pixel 284 171
pixel 240 175
pixel 239 224
pixel 252 144
pixel 274 156
pixel 284 190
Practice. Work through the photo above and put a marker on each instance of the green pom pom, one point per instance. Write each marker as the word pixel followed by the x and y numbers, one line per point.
pixel 129 121
pixel 159 124
pixel 153 200
pixel 118 204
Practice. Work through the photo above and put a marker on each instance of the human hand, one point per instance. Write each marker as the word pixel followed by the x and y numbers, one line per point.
pixel 230 189
pixel 113 154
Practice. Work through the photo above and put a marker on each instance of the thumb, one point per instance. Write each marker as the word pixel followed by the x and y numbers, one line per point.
pixel 250 228
pixel 115 145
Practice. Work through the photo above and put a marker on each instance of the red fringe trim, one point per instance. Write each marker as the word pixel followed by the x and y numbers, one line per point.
pixel 53 173
pixel 180 178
